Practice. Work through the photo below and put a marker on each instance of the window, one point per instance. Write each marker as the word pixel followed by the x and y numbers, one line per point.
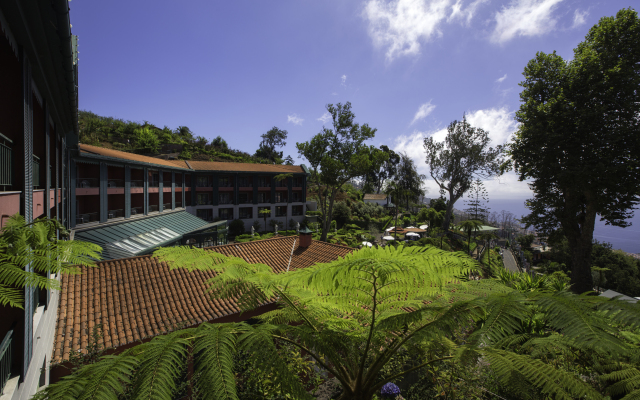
pixel 203 181
pixel 225 213
pixel 243 198
pixel 281 197
pixel 224 181
pixel 245 181
pixel 206 214
pixel 298 181
pixel 225 198
pixel 264 197
pixel 296 197
pixel 246 212
pixel 281 211
pixel 154 179
pixel 264 182
pixel 296 210
pixel 281 183
pixel 203 199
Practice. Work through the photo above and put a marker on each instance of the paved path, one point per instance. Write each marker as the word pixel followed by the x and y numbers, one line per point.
pixel 509 261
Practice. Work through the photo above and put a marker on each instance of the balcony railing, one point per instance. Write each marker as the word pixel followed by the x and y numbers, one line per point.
pixel 115 183
pixel 36 170
pixel 5 360
pixel 166 206
pixel 87 217
pixel 153 208
pixel 136 210
pixel 137 183
pixel 6 161
pixel 88 183
pixel 203 201
pixel 225 200
pixel 281 184
pixel 115 214
pixel 153 183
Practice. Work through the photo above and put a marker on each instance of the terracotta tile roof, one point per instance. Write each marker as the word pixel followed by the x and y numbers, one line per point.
pixel 373 196
pixel 139 297
pixel 193 165
pixel 244 167
pixel 101 151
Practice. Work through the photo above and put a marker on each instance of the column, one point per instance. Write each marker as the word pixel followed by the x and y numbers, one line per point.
pixel 104 199
pixel 173 190
pixel 127 191
pixel 160 190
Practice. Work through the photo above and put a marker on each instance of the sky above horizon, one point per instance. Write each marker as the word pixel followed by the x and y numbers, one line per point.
pixel 408 67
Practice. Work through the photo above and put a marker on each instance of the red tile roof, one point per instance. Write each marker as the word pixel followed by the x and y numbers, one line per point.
pixel 193 165
pixel 140 297
pixel 374 196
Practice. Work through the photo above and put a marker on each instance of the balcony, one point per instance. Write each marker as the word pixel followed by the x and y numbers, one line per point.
pixel 281 184
pixel 5 359
pixel 154 183
pixel 153 208
pixel 178 204
pixel 36 171
pixel 88 183
pixel 87 217
pixel 137 184
pixel 115 183
pixel 166 206
pixel 6 162
pixel 111 214
pixel 225 200
pixel 136 210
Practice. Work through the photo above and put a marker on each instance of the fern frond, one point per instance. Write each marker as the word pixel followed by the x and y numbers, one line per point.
pixel 560 384
pixel 214 349
pixel 162 362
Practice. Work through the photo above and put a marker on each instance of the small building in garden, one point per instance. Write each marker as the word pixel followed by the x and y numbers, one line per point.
pixel 379 199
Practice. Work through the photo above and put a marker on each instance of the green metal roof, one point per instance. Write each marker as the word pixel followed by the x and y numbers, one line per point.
pixel 141 236
pixel 486 228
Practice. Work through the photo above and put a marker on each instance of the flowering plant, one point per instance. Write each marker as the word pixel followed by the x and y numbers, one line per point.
pixel 390 391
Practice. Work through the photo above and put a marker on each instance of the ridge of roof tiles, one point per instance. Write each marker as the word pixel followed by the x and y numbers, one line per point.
pixel 192 165
pixel 375 196
pixel 140 297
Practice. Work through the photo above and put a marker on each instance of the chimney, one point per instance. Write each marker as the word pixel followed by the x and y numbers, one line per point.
pixel 305 237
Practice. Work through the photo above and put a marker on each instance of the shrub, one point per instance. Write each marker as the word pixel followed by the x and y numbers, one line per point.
pixel 257 225
pixel 236 227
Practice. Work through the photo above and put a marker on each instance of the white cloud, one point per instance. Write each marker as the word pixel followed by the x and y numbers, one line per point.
pixel 334 94
pixel 400 25
pixel 500 80
pixel 325 117
pixel 423 111
pixel 499 123
pixel 457 12
pixel 344 80
pixel 579 18
pixel 524 18
pixel 294 119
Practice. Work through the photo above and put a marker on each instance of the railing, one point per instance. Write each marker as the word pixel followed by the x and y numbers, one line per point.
pixel 6 161
pixel 153 208
pixel 153 183
pixel 281 184
pixel 281 199
pixel 115 183
pixel 243 183
pixel 88 183
pixel 115 214
pixel 36 170
pixel 178 204
pixel 225 200
pixel 203 184
pixel 5 360
pixel 166 206
pixel 87 217
pixel 137 183
pixel 136 210
pixel 225 183
pixel 203 201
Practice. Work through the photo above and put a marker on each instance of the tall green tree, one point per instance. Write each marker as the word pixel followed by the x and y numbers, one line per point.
pixel 336 156
pixel 273 138
pixel 382 171
pixel 578 141
pixel 463 156
pixel 477 197
pixel 409 180
pixel 36 245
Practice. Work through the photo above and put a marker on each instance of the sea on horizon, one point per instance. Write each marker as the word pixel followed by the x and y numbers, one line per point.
pixel 625 239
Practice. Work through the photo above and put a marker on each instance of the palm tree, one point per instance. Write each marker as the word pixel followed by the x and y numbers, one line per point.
pixel 265 212
pixel 36 245
pixel 469 226
pixel 407 299
pixel 396 191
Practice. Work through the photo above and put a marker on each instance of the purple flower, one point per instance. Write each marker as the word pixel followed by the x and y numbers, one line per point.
pixel 390 391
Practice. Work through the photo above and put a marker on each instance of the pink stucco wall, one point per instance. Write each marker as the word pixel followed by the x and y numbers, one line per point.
pixel 9 205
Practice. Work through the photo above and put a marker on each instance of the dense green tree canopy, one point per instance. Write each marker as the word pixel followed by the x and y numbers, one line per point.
pixel 578 141
pixel 336 156
pixel 379 173
pixel 463 156
pixel 273 138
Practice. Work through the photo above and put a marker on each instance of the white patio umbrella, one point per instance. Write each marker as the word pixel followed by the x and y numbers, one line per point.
pixel 390 229
pixel 424 226
pixel 388 238
pixel 409 227
pixel 412 234
pixel 368 244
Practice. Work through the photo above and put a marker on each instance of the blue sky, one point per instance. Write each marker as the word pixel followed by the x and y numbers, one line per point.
pixel 238 68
